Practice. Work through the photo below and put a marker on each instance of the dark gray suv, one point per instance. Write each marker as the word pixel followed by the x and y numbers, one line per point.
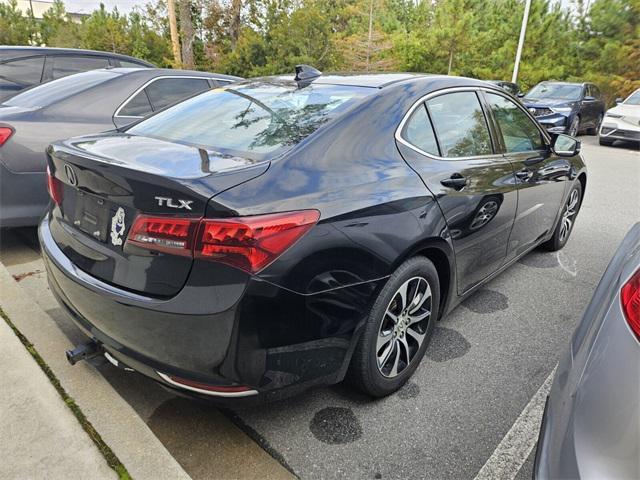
pixel 563 107
pixel 24 67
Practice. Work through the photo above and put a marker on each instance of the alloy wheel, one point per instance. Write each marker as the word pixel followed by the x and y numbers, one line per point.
pixel 568 216
pixel 403 327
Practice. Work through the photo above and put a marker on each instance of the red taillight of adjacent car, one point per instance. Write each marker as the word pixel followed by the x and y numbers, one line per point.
pixel 630 298
pixel 55 188
pixel 5 134
pixel 164 234
pixel 249 243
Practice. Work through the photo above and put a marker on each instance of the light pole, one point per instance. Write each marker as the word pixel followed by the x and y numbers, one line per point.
pixel 523 31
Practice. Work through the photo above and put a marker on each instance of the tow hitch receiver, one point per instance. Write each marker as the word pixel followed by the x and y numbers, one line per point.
pixel 84 351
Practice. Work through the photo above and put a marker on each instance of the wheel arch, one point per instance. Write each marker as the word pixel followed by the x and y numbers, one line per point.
pixel 440 252
pixel 582 178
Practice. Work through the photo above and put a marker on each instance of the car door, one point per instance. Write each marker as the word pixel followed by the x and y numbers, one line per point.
pixel 590 107
pixel 540 174
pixel 446 139
pixel 156 95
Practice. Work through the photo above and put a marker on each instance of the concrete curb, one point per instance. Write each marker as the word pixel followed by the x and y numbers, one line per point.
pixel 40 435
pixel 119 425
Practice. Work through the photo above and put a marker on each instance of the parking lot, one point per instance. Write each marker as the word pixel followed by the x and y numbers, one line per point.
pixel 487 360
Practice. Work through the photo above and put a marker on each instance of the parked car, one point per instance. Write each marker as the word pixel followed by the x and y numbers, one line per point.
pixel 24 67
pixel 563 107
pixel 591 424
pixel 512 88
pixel 88 102
pixel 284 232
pixel 622 122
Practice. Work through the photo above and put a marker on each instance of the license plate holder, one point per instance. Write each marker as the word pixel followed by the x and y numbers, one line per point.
pixel 92 216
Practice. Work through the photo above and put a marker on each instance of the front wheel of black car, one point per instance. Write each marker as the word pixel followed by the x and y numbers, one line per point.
pixel 398 329
pixel 567 219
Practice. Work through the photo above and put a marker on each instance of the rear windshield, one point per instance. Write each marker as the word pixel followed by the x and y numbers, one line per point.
pixel 256 121
pixel 52 92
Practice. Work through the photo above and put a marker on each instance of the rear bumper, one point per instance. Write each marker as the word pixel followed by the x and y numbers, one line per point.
pixel 259 335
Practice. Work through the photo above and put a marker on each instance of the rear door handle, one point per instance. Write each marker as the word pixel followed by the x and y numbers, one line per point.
pixel 456 181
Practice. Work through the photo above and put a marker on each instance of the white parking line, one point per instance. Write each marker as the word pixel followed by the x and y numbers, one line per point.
pixel 507 459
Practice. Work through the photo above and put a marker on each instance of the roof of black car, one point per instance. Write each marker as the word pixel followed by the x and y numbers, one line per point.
pixel 373 80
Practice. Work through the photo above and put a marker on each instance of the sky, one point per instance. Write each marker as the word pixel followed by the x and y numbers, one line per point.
pixel 87 6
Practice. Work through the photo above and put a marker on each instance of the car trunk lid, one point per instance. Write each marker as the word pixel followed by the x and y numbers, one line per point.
pixel 105 182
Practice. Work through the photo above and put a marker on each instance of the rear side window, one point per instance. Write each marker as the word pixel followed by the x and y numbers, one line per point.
pixel 460 125
pixel 167 91
pixel 68 65
pixel 138 106
pixel 419 132
pixel 17 75
pixel 57 90
pixel 518 131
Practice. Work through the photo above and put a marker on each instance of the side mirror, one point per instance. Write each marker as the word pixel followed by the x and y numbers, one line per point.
pixel 520 94
pixel 619 100
pixel 566 146
pixel 589 98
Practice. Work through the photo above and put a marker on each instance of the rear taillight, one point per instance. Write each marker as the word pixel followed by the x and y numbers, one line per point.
pixel 630 298
pixel 249 243
pixel 55 188
pixel 164 234
pixel 5 134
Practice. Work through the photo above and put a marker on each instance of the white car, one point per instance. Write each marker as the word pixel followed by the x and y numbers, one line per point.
pixel 622 122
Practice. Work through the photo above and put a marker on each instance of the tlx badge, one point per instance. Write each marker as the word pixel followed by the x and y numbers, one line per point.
pixel 171 203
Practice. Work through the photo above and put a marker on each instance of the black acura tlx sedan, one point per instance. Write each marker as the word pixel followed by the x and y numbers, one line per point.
pixel 285 232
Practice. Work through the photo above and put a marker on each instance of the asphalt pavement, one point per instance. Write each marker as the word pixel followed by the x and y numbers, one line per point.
pixel 486 362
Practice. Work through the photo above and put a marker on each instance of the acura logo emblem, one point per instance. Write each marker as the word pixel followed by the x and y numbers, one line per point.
pixel 71 175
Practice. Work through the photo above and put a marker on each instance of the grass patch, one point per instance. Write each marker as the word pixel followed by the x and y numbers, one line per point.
pixel 107 453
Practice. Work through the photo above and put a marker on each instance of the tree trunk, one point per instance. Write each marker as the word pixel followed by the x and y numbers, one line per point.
pixel 370 34
pixel 236 10
pixel 173 27
pixel 450 60
pixel 187 34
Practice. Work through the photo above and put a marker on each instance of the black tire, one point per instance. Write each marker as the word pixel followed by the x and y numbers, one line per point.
pixel 605 142
pixel 574 127
pixel 364 371
pixel 594 130
pixel 559 238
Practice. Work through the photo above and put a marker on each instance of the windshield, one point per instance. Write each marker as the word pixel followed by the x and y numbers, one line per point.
pixel 52 92
pixel 555 91
pixel 633 99
pixel 252 120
